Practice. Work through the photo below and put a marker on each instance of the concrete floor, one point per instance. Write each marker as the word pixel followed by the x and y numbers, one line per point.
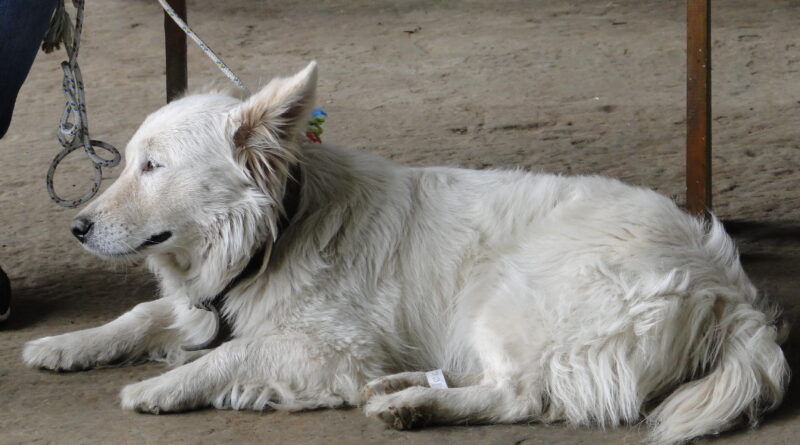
pixel 566 86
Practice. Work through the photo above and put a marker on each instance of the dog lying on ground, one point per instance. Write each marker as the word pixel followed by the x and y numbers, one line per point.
pixel 343 277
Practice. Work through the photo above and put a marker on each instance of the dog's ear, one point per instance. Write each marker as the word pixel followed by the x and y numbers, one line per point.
pixel 265 127
pixel 281 108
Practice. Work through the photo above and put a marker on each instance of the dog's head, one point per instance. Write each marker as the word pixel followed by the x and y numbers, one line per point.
pixel 203 170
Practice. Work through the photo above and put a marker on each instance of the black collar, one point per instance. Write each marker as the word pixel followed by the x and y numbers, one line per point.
pixel 222 329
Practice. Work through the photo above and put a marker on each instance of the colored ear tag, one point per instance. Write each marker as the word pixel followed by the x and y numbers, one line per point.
pixel 314 128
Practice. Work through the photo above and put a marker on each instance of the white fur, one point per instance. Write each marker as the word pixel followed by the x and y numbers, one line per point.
pixel 543 297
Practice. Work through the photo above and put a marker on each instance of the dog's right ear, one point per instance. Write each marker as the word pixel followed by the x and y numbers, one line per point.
pixel 265 127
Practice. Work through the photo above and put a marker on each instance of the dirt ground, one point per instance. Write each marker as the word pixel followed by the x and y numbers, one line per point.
pixel 591 87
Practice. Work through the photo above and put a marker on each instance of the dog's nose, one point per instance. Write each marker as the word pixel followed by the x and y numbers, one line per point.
pixel 81 227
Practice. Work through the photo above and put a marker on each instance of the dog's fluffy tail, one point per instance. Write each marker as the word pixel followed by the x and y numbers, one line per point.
pixel 749 378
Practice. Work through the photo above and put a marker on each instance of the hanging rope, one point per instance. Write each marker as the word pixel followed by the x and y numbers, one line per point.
pixel 73 129
pixel 318 115
pixel 206 50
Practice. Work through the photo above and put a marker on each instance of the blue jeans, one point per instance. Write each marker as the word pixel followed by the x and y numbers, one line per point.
pixel 23 24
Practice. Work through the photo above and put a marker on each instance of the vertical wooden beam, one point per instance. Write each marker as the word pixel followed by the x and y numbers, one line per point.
pixel 175 46
pixel 698 106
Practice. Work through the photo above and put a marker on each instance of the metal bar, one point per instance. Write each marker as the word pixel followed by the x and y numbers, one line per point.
pixel 175 50
pixel 698 106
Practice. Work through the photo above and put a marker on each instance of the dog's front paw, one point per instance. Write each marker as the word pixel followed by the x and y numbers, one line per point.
pixel 155 396
pixel 58 353
pixel 399 411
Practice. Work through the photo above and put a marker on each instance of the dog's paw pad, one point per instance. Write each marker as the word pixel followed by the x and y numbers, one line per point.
pixel 400 412
pixel 383 386
pixel 146 408
pixel 406 417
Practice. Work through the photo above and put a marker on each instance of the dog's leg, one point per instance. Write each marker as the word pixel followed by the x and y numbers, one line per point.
pixel 398 382
pixel 142 332
pixel 291 372
pixel 417 406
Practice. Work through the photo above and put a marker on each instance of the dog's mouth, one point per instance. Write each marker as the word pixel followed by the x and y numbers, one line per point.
pixel 152 241
pixel 155 239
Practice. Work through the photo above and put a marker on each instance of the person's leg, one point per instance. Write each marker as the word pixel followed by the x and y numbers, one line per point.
pixel 5 296
pixel 23 24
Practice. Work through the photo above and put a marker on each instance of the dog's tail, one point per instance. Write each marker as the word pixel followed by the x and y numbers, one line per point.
pixel 749 378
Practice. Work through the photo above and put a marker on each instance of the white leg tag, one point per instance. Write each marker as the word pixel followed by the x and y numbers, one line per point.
pixel 436 379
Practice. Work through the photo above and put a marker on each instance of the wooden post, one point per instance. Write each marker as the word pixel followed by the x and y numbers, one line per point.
pixel 698 106
pixel 175 46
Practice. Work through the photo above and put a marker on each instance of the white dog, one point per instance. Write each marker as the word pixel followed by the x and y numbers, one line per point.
pixel 542 297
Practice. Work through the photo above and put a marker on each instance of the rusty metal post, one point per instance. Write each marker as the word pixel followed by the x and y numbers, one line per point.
pixel 698 106
pixel 175 49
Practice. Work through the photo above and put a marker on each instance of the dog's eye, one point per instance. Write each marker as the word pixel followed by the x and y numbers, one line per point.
pixel 150 166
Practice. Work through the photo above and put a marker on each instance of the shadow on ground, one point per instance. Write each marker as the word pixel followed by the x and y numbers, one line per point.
pixel 77 296
pixel 770 253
